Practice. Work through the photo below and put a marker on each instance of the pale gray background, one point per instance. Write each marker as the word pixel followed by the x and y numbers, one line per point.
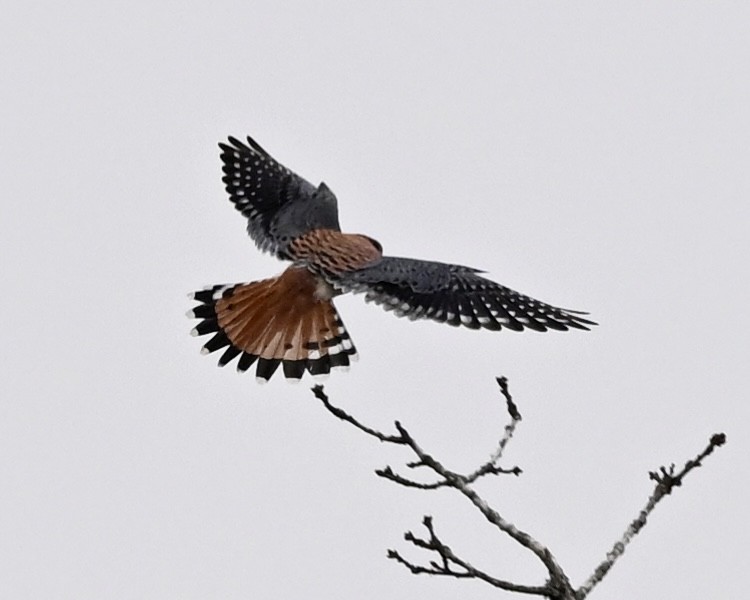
pixel 592 154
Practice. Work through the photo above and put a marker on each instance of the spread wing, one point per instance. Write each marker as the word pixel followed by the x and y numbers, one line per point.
pixel 278 204
pixel 455 295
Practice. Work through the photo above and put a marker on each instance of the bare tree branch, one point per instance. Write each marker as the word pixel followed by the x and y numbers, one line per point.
pixel 449 560
pixel 558 586
pixel 344 416
pixel 666 481
pixel 510 428
pixel 489 468
pixel 459 482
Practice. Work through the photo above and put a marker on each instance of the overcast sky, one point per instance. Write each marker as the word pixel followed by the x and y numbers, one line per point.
pixel 593 155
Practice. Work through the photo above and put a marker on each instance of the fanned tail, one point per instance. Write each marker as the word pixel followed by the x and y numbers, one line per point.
pixel 289 320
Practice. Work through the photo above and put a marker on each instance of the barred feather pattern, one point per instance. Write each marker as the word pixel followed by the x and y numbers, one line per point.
pixel 455 295
pixel 332 253
pixel 288 321
pixel 279 204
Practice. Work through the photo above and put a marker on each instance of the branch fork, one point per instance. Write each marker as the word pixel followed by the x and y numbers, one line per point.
pixel 448 563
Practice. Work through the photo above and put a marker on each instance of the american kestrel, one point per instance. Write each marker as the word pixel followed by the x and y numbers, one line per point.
pixel 290 319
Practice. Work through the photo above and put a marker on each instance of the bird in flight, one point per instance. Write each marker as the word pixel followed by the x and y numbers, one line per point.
pixel 290 320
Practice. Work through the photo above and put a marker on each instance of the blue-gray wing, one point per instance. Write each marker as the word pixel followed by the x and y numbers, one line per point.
pixel 278 204
pixel 456 295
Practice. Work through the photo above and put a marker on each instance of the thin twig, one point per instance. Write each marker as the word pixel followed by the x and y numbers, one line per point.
pixel 666 481
pixel 512 408
pixel 449 559
pixel 320 394
pixel 510 428
pixel 387 473
pixel 558 579
pixel 489 468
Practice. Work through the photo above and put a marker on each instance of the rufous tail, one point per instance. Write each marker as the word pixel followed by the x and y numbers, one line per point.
pixel 283 321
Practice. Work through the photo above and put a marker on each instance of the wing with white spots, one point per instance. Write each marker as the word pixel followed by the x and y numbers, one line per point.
pixel 278 204
pixel 455 295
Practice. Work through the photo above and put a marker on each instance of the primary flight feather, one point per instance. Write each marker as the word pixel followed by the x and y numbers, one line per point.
pixel 290 320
